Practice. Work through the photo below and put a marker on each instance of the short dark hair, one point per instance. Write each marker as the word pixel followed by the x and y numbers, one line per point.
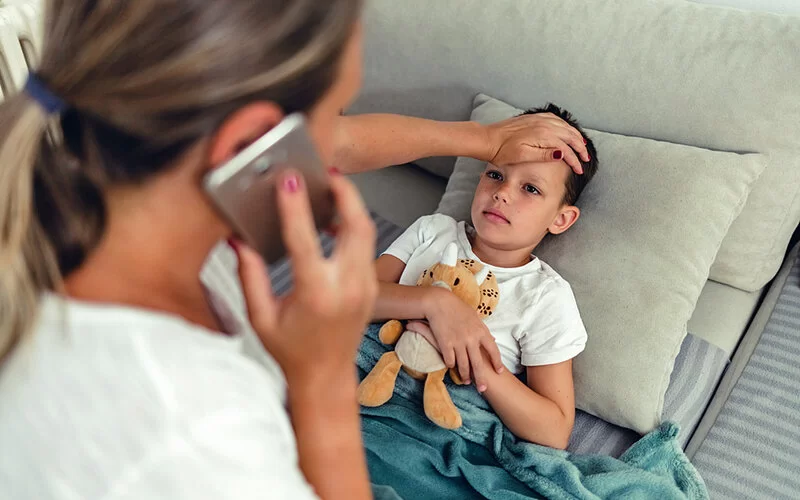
pixel 575 182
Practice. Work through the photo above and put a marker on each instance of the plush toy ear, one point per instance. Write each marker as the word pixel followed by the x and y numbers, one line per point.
pixel 481 275
pixel 450 255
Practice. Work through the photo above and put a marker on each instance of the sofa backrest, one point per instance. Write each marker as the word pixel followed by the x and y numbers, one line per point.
pixel 705 76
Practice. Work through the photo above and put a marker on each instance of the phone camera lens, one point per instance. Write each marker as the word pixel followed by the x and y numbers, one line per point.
pixel 262 165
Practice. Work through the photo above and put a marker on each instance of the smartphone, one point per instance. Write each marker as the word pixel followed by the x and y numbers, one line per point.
pixel 243 188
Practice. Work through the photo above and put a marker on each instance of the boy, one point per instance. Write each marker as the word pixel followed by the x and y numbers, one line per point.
pixel 536 326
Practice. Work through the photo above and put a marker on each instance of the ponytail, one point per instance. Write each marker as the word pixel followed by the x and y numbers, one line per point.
pixel 27 262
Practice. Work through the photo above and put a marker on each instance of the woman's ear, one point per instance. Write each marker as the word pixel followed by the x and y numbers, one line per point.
pixel 565 219
pixel 241 129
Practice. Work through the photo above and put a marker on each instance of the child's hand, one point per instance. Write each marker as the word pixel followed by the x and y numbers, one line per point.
pixel 460 335
pixel 423 328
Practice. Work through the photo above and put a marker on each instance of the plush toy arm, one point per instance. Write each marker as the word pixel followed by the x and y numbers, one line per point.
pixel 390 332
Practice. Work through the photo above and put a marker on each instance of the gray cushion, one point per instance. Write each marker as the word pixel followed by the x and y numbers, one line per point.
pixel 402 193
pixel 637 259
pixel 710 77
pixel 722 314
pixel 698 368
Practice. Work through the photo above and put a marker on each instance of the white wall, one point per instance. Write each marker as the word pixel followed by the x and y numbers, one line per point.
pixel 791 7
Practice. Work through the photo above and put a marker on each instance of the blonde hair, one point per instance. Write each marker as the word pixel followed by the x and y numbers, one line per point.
pixel 143 80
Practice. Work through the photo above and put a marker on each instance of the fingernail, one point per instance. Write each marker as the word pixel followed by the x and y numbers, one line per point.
pixel 233 244
pixel 467 381
pixel 584 141
pixel 557 154
pixel 334 171
pixel 291 184
pixel 482 388
pixel 588 157
pixel 500 370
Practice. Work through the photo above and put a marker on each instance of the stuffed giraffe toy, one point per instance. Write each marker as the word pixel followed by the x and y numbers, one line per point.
pixel 477 287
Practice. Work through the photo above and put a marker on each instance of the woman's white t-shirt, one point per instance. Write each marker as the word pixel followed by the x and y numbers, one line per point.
pixel 111 402
pixel 536 322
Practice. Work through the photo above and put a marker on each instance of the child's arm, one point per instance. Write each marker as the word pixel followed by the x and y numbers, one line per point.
pixel 542 412
pixel 397 301
pixel 460 334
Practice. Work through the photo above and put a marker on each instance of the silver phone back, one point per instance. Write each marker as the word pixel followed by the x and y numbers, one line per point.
pixel 243 189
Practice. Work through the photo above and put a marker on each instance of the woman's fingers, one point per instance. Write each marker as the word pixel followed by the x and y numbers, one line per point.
pixel 262 306
pixel 298 228
pixel 571 136
pixel 571 159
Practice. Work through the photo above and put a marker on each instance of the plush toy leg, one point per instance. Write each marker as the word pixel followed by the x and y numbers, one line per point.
pixel 438 405
pixel 390 332
pixel 378 386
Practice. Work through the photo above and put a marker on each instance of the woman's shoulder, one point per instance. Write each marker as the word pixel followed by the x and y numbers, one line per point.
pixel 155 351
pixel 105 387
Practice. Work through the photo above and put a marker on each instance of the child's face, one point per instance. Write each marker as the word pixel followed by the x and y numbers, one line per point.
pixel 515 206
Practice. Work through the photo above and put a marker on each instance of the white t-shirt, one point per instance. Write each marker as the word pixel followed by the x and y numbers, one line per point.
pixel 536 322
pixel 112 402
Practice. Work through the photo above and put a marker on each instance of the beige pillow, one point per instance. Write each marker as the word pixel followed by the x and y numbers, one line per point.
pixel 652 221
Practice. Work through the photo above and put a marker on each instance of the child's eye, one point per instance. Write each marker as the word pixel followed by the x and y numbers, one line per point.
pixel 494 175
pixel 531 189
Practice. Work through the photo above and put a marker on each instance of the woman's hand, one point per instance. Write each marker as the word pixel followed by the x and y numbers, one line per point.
pixel 314 332
pixel 535 138
pixel 460 335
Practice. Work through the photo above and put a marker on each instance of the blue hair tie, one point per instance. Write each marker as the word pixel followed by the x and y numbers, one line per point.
pixel 39 92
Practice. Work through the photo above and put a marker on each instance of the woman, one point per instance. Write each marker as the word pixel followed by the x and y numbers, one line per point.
pixel 122 375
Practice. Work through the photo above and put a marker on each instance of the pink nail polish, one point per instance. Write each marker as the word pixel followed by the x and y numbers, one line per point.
pixel 334 171
pixel 291 184
pixel 233 244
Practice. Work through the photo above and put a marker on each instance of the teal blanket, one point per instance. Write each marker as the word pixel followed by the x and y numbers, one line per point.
pixel 418 460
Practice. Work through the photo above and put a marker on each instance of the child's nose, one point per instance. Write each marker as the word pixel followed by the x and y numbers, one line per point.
pixel 501 195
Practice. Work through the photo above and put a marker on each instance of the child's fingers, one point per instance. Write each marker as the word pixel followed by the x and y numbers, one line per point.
pixel 448 355
pixel 463 363
pixel 490 346
pixel 261 303
pixel 478 367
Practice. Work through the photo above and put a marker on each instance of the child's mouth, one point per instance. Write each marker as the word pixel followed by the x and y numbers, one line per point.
pixel 496 216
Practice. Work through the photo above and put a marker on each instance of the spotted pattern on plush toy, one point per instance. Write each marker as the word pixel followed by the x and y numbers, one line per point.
pixel 490 293
pixel 484 309
pixel 468 262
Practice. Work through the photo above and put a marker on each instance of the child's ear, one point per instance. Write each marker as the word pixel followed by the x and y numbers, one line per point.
pixel 565 219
